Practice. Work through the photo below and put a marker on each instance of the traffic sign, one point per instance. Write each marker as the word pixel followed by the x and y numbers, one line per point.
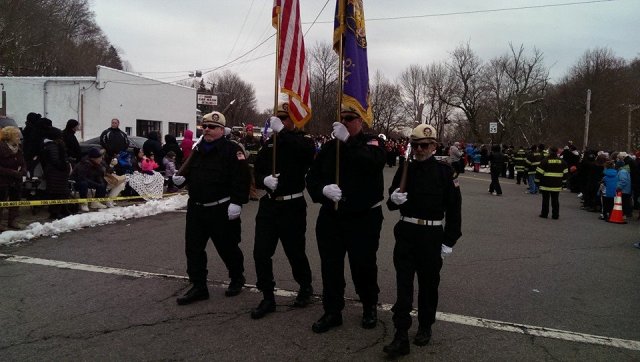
pixel 493 127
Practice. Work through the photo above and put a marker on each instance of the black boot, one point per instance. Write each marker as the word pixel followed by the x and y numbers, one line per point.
pixel 304 297
pixel 326 322
pixel 235 287
pixel 399 346
pixel 266 306
pixel 369 316
pixel 197 292
pixel 423 336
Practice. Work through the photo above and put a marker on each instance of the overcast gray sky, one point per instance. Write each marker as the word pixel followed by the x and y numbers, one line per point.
pixel 165 39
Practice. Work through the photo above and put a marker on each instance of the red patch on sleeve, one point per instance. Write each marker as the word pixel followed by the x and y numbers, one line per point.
pixel 373 142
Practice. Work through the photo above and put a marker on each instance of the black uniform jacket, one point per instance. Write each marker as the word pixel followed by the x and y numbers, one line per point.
pixel 217 172
pixel 362 161
pixel 432 194
pixel 294 155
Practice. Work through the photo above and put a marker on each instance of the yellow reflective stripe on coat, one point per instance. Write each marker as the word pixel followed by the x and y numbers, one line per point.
pixel 547 188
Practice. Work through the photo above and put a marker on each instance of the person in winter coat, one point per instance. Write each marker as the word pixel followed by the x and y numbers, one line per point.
pixel 609 181
pixel 56 172
pixel 12 168
pixel 624 186
pixel 89 174
pixel 187 144
pixel 170 144
pixel 497 161
pixel 153 146
pixel 114 140
pixel 71 142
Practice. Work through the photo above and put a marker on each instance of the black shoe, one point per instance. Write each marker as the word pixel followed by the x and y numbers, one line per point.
pixel 422 337
pixel 399 346
pixel 303 298
pixel 369 316
pixel 197 292
pixel 326 322
pixel 555 217
pixel 265 307
pixel 543 216
pixel 235 287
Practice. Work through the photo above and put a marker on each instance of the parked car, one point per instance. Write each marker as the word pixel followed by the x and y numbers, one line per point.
pixel 134 142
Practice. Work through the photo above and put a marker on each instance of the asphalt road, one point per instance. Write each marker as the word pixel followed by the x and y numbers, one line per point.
pixel 516 287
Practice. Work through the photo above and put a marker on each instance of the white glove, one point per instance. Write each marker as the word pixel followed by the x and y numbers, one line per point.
pixel 178 180
pixel 398 197
pixel 332 192
pixel 445 251
pixel 114 162
pixel 234 211
pixel 340 131
pixel 227 131
pixel 276 124
pixel 271 182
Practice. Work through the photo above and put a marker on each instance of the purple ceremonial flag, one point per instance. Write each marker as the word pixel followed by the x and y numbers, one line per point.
pixel 356 68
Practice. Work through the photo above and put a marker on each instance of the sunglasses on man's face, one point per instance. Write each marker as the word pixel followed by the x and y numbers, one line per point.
pixel 209 126
pixel 349 118
pixel 420 145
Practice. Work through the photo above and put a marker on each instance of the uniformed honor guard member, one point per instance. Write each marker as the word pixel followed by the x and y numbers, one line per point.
pixel 218 177
pixel 282 213
pixel 353 227
pixel 429 226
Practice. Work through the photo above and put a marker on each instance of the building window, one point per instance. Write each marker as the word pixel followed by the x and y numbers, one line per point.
pixel 127 130
pixel 177 129
pixel 143 127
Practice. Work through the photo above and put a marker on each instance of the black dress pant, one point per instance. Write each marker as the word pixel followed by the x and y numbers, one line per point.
pixel 417 252
pixel 495 181
pixel 555 204
pixel 285 220
pixel 204 223
pixel 356 235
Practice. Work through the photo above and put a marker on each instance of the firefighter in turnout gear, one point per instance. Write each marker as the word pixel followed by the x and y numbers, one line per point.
pixel 533 160
pixel 430 224
pixel 520 165
pixel 282 213
pixel 551 175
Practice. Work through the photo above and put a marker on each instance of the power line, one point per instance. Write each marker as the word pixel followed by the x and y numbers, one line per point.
pixel 477 11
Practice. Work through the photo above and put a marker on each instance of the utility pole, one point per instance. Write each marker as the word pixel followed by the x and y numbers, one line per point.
pixel 586 121
pixel 632 107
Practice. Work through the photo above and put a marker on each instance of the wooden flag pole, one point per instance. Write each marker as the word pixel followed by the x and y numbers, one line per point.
pixel 275 95
pixel 340 91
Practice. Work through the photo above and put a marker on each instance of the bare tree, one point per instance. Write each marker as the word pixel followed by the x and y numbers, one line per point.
pixel 323 73
pixel 387 106
pixel 413 87
pixel 516 85
pixel 437 108
pixel 228 86
pixel 467 90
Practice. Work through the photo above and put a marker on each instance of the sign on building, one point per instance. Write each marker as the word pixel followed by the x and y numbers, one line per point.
pixel 493 127
pixel 207 99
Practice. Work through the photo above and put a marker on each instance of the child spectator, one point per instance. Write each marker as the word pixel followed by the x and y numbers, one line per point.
pixel 608 191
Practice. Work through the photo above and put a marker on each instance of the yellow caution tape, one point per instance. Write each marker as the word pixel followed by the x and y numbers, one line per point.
pixel 76 201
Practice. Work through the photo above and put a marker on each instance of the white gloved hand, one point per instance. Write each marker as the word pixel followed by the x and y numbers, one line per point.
pixel 276 124
pixel 398 197
pixel 227 131
pixel 114 162
pixel 332 192
pixel 178 180
pixel 445 251
pixel 234 211
pixel 340 131
pixel 271 182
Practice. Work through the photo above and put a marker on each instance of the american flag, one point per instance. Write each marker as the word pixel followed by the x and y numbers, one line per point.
pixel 292 67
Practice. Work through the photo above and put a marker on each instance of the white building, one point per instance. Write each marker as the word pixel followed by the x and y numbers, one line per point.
pixel 141 104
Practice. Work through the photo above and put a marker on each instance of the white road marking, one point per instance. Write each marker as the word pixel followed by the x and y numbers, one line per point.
pixel 445 317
